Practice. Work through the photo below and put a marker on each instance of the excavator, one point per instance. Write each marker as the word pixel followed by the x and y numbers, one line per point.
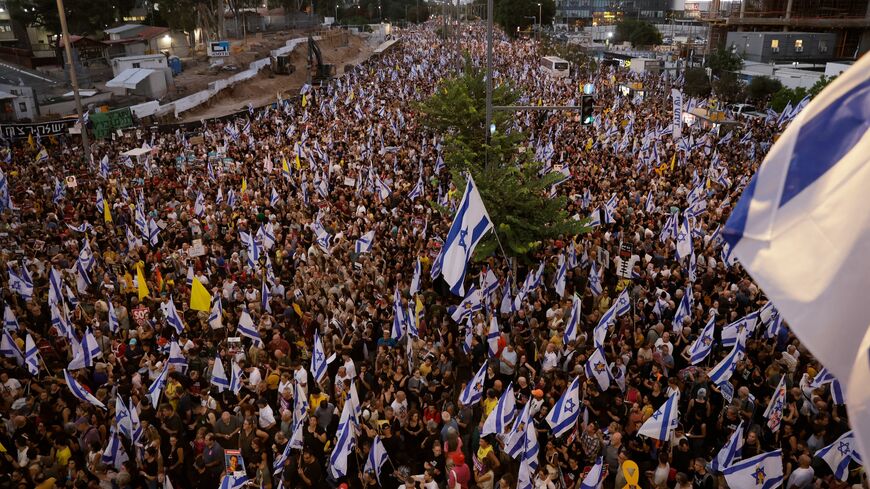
pixel 317 69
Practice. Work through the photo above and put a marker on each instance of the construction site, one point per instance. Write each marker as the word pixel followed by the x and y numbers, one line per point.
pixel 848 19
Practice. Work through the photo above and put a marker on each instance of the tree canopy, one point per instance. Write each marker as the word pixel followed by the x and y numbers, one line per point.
pixel 507 177
pixel 638 33
pixel 83 16
pixel 722 60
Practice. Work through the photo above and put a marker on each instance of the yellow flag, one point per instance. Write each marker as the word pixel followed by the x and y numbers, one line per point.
pixel 304 100
pixel 673 160
pixel 200 299
pixel 244 184
pixel 107 214
pixel 30 141
pixel 589 144
pixel 298 163
pixel 297 309
pixel 143 287
pixel 285 168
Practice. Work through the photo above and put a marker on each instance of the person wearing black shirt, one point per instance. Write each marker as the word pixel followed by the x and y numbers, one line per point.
pixel 310 472
pixel 703 479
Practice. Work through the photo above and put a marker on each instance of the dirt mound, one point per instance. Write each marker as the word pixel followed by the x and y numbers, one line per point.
pixel 341 49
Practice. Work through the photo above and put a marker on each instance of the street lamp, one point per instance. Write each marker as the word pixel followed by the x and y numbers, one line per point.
pixel 540 21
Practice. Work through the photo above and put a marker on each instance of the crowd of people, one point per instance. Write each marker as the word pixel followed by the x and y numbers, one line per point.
pixel 111 379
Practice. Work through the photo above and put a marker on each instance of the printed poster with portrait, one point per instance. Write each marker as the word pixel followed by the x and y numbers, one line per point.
pixel 234 462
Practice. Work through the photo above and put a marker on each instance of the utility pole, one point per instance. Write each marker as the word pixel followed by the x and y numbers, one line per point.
pixel 488 128
pixel 73 76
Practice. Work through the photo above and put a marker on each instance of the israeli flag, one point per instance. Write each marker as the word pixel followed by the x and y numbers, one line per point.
pixel 172 317
pixel 730 452
pixel 564 414
pixel 415 280
pixel 469 305
pixel 731 331
pixel 473 390
pixel 650 206
pixel 9 349
pixel 762 471
pixel 417 191
pixel 466 345
pixel 529 458
pixel 215 317
pixel 233 482
pixel 275 198
pixel 91 347
pixel 235 377
pixel 382 188
pixel 488 284
pixel 507 301
pixel 663 422
pixel 838 455
pixel 684 311
pixel 492 337
pixel 399 316
pixel 365 242
pixel 10 322
pixel 318 359
pixel 31 355
pixel 114 453
pixel 377 458
pixel 596 368
pixel 79 392
pixel 469 226
pixel 807 195
pixel 693 267
pixel 721 373
pixel 595 280
pixel 219 375
pixel 199 205
pixel 684 239
pixel 176 357
pixel 247 327
pixel 156 387
pixel 704 344
pixel 153 232
pixel 559 282
pixel 595 477
pixel 515 438
pixel 573 322
pixel 622 305
pixel 341 452
pixel 278 465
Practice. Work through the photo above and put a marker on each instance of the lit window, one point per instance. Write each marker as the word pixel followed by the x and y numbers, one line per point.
pixel 799 45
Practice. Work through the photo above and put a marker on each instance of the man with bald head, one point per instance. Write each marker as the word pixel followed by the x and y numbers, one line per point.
pixel 802 477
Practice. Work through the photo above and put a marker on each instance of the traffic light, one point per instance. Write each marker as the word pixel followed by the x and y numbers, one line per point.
pixel 587 109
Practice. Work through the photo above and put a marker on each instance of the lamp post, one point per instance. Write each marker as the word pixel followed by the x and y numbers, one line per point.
pixel 73 77
pixel 540 21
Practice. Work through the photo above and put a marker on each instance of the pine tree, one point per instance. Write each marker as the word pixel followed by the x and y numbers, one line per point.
pixel 507 176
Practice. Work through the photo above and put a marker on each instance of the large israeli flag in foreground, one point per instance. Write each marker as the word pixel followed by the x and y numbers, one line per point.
pixel 802 230
pixel 469 226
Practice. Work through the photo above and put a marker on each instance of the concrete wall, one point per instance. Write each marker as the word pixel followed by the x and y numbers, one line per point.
pixel 69 106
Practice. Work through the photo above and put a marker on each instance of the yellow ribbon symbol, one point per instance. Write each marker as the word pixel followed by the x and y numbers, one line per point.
pixel 631 473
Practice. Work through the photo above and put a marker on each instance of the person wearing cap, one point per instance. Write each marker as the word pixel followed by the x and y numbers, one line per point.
pixel 457 471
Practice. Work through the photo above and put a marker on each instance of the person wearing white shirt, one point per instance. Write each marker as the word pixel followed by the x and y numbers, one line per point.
pixel 266 416
pixel 666 341
pixel 400 407
pixel 340 377
pixel 301 377
pixel 551 358
pixel 802 477
pixel 255 377
pixel 349 366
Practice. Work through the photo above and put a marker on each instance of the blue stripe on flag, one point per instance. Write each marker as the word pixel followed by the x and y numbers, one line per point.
pixel 826 138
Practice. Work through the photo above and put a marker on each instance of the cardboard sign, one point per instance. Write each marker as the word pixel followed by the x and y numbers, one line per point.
pixel 197 248
pixel 71 181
